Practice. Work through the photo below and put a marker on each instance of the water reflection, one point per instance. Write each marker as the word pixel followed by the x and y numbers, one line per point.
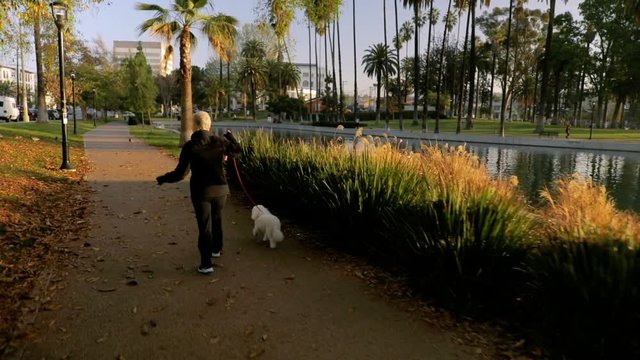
pixel 538 167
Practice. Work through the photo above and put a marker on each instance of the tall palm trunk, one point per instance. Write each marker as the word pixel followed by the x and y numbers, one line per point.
pixel 513 72
pixel 310 73
pixel 506 70
pixel 43 117
pixel 441 66
pixel 399 85
pixel 386 75
pixel 378 86
pixel 544 86
pixel 254 107
pixel 341 100
pixel 493 76
pixel 332 40
pixel 228 89
pixel 416 64
pixel 472 65
pixel 427 73
pixel 185 84
pixel 355 66
pixel 462 73
pixel 315 45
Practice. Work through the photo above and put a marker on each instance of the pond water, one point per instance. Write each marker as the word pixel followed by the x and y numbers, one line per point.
pixel 538 167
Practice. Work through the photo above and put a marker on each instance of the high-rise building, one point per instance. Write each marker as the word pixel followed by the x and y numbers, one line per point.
pixel 153 50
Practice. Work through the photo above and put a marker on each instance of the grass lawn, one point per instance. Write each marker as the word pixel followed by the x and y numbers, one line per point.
pixel 164 139
pixel 514 128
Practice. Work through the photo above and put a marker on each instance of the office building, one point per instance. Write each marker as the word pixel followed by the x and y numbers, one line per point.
pixel 153 50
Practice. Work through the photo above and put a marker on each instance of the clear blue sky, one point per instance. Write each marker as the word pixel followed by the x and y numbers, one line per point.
pixel 119 21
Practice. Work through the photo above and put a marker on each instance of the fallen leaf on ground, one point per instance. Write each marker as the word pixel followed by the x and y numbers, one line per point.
pixel 102 339
pixel 248 331
pixel 105 289
pixel 255 353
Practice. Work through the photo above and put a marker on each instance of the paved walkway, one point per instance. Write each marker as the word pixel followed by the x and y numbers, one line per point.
pixel 134 293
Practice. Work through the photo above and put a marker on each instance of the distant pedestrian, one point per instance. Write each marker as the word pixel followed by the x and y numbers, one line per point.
pixel 204 155
pixel 567 128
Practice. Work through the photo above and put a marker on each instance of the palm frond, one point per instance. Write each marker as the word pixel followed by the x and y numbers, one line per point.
pixel 221 31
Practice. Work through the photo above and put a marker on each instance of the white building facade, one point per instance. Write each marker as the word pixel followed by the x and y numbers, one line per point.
pixel 8 74
pixel 307 87
pixel 154 51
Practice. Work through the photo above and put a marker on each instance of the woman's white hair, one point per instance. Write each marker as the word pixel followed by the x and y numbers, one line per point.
pixel 202 120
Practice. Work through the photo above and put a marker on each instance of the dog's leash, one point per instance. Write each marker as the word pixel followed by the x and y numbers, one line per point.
pixel 235 165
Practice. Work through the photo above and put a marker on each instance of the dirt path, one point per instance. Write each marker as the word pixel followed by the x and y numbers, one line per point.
pixel 134 293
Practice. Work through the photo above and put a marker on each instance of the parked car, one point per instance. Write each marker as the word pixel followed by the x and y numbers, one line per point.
pixel 33 114
pixel 8 109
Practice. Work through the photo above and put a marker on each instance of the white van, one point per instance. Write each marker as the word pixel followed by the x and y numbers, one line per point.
pixel 8 109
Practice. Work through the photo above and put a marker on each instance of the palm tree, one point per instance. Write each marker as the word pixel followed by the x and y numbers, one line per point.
pixel 179 21
pixel 252 73
pixel 448 26
pixel 379 61
pixel 416 4
pixel 252 70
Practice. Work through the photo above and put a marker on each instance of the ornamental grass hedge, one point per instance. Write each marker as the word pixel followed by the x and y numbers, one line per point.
pixel 567 273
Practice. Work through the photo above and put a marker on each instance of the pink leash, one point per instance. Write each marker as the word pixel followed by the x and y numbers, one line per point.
pixel 235 165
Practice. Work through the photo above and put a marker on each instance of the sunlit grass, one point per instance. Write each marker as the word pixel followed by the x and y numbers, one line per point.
pixel 164 139
pixel 577 209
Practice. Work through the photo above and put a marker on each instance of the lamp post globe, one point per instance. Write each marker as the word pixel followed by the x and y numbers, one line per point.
pixel 73 96
pixel 59 12
pixel 95 111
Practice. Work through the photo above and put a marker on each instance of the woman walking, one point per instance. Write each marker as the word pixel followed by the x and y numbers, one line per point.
pixel 204 155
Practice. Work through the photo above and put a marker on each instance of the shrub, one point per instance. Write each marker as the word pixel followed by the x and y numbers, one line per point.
pixel 586 275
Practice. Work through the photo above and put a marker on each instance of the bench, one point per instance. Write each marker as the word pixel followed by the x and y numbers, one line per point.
pixel 548 133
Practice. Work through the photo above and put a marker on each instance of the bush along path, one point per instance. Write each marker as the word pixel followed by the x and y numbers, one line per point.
pixel 132 291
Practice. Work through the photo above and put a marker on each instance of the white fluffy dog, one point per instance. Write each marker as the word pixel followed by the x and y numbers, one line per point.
pixel 267 224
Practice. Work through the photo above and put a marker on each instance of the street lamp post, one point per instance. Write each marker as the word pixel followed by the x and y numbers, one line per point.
pixel 73 93
pixel 95 111
pixel 59 12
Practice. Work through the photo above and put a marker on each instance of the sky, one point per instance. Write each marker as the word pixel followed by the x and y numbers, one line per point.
pixel 118 20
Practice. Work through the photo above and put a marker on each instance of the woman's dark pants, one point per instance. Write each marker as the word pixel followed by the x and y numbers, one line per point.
pixel 208 214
